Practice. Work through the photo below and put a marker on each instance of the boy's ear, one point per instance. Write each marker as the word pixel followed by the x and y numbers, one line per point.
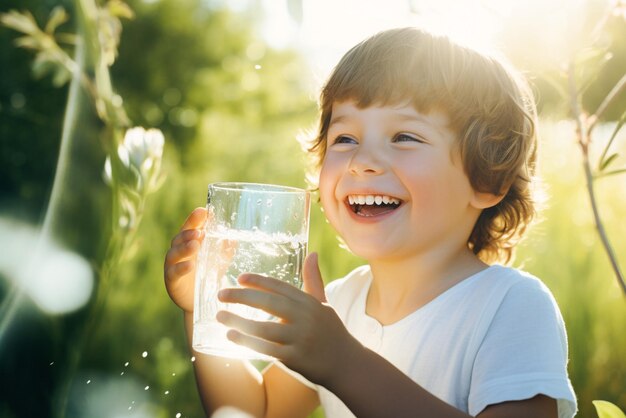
pixel 483 200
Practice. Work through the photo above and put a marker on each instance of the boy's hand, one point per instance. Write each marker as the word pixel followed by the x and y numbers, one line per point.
pixel 180 260
pixel 310 338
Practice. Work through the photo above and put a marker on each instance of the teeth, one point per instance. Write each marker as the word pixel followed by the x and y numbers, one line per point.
pixel 372 199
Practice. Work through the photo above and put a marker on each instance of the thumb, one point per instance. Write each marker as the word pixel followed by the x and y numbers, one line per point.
pixel 313 283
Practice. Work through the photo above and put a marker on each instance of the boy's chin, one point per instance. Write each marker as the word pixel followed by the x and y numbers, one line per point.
pixel 371 251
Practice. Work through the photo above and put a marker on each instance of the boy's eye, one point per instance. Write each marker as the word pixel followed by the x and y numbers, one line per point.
pixel 343 139
pixel 406 138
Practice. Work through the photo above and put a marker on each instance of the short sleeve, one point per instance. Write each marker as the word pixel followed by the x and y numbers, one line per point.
pixel 523 353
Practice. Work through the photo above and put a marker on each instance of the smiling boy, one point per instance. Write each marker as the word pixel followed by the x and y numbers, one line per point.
pixel 426 153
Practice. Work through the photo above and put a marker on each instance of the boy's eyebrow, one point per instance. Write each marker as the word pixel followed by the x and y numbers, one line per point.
pixel 437 122
pixel 336 119
pixel 402 116
pixel 413 117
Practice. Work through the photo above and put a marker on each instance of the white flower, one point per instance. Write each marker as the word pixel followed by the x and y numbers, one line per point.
pixel 141 148
pixel 137 169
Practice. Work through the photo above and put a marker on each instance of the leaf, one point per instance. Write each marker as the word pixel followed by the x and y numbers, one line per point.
pixel 619 125
pixel 591 55
pixel 608 410
pixel 110 29
pixel 589 62
pixel 61 76
pixel 118 8
pixel 43 64
pixel 28 42
pixel 58 16
pixel 20 21
pixel 611 173
pixel 605 163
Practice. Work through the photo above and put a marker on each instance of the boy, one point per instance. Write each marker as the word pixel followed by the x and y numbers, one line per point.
pixel 426 153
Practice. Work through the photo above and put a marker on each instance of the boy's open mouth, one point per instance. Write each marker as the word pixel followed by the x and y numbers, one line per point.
pixel 372 205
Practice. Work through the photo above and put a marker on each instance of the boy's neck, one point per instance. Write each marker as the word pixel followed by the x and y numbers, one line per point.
pixel 401 287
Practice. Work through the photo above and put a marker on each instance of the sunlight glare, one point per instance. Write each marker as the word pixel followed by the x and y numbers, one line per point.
pixel 57 280
pixel 536 30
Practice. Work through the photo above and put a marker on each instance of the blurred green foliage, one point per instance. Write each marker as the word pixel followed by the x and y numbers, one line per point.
pixel 230 108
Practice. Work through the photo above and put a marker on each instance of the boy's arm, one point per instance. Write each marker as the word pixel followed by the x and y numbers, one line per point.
pixel 231 382
pixel 372 387
pixel 312 340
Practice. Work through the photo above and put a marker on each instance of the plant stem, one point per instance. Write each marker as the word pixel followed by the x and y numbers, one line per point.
pixel 615 91
pixel 583 138
pixel 111 114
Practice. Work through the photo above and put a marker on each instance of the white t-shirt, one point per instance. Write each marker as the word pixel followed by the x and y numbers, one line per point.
pixel 496 336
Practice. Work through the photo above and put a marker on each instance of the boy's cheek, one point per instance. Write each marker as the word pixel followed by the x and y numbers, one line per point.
pixel 330 209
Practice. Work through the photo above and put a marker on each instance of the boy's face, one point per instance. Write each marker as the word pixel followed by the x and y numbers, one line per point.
pixel 392 183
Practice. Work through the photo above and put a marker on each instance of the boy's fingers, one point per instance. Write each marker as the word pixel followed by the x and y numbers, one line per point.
pixel 181 251
pixel 186 235
pixel 270 284
pixel 195 219
pixel 178 270
pixel 272 303
pixel 177 278
pixel 267 330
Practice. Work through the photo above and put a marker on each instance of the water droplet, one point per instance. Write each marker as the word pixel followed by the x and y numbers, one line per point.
pixel 130 407
pixel 88 381
pixel 178 415
pixel 167 392
pixel 52 363
pixel 193 358
pixel 257 67
pixel 259 201
pixel 227 364
pixel 269 203
pixel 122 374
pixel 173 374
pixel 146 388
pixel 126 364
pixel 144 354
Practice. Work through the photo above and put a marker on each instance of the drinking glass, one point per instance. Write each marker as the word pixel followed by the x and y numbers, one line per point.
pixel 252 228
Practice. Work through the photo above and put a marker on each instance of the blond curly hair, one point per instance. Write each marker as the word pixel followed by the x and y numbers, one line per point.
pixel 491 109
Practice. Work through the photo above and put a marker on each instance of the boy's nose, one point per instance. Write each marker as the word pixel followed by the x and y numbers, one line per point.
pixel 366 162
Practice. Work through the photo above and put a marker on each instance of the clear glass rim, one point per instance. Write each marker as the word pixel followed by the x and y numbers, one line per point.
pixel 256 187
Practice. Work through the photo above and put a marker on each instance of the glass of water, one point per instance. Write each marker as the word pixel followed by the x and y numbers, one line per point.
pixel 252 228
